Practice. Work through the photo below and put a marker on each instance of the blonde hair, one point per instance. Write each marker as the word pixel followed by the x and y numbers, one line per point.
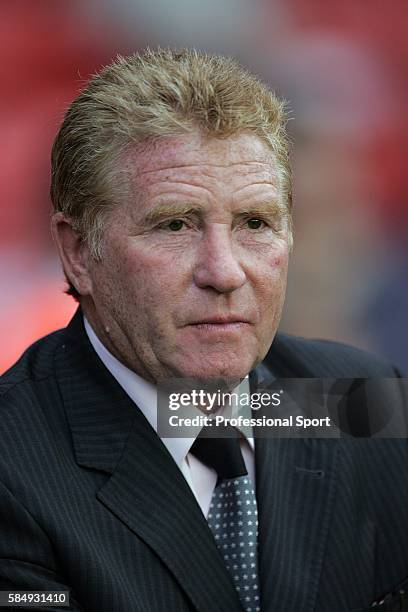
pixel 150 95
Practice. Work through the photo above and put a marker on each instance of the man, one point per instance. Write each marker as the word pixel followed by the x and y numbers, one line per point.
pixel 172 219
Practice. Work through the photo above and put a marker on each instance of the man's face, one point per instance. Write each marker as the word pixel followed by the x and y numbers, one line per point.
pixel 193 271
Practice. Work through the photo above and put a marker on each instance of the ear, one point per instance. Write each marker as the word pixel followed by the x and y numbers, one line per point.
pixel 74 254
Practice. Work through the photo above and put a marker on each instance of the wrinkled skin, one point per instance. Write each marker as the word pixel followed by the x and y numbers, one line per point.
pixel 193 271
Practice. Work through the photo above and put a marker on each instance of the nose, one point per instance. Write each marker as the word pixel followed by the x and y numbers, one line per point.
pixel 217 265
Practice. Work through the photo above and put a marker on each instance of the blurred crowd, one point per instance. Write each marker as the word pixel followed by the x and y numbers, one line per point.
pixel 342 67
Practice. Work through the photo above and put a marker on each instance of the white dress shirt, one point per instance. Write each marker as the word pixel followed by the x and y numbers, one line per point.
pixel 201 479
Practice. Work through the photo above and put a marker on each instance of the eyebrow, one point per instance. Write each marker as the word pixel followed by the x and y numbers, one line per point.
pixel 164 210
pixel 271 208
pixel 167 209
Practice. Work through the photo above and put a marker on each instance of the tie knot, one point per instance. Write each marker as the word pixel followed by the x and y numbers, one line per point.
pixel 221 454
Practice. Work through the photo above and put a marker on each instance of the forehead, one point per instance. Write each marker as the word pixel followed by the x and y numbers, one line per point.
pixel 242 154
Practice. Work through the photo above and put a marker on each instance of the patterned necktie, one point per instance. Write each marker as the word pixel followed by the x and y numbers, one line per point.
pixel 233 516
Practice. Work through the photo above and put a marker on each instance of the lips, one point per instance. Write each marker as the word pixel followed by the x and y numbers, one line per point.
pixel 220 320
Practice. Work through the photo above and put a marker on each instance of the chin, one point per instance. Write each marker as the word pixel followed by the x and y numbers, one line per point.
pixel 223 370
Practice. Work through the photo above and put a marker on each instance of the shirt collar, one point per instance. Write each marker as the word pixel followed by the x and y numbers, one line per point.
pixel 144 395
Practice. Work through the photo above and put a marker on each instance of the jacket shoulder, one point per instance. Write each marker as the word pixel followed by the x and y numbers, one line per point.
pixel 295 356
pixel 35 364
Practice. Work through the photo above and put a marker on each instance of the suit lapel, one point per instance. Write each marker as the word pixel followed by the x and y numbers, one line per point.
pixel 150 495
pixel 295 487
pixel 145 489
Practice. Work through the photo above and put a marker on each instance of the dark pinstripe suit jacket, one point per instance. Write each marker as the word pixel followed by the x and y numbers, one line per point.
pixel 91 500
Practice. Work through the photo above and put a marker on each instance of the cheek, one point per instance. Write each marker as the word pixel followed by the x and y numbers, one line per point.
pixel 274 270
pixel 271 285
pixel 272 255
pixel 280 261
pixel 150 277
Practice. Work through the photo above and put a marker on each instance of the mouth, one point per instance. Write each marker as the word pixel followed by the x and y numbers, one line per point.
pixel 220 324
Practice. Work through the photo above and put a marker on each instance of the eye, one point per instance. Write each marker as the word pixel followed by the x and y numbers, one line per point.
pixel 255 223
pixel 175 225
